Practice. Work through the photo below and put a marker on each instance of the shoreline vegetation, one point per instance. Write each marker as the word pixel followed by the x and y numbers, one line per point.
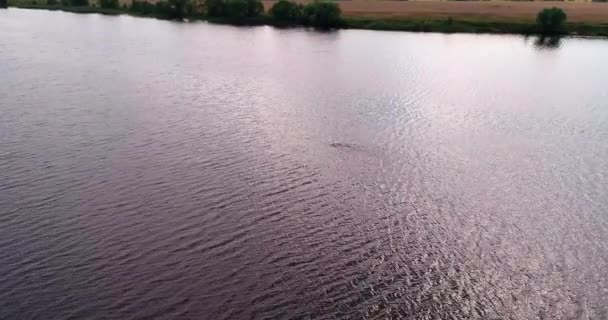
pixel 319 14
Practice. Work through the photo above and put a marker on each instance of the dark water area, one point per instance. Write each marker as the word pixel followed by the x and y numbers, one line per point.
pixel 159 170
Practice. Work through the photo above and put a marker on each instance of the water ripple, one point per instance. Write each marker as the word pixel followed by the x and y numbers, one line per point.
pixel 213 172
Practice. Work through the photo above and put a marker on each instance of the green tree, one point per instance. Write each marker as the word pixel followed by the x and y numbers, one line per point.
pixel 109 4
pixel 176 9
pixel 255 8
pixel 323 15
pixel 237 10
pixel 142 7
pixel 79 3
pixel 3 3
pixel 551 21
pixel 215 8
pixel 286 12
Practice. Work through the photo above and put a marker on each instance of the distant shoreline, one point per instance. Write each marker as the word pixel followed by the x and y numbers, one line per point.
pixel 411 21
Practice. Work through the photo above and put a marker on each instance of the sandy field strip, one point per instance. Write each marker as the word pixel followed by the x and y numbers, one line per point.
pixel 473 10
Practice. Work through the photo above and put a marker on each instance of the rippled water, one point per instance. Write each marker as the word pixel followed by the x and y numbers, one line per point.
pixel 157 170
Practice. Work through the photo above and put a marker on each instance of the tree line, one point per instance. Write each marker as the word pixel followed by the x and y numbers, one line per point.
pixel 319 14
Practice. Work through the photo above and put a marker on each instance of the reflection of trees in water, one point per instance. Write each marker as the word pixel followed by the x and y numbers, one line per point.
pixel 547 42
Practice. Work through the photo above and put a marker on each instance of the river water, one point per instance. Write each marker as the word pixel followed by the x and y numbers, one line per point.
pixel 160 170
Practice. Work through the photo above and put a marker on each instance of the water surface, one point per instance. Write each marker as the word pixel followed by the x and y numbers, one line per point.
pixel 159 170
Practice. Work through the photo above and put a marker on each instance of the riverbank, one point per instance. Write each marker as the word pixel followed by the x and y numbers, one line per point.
pixel 451 25
pixel 71 9
pixel 447 17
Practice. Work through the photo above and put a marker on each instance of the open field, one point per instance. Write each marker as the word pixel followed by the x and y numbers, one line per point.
pixel 482 11
pixel 497 16
pixel 587 12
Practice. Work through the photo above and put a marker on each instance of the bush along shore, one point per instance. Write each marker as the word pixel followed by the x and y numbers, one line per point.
pixel 318 14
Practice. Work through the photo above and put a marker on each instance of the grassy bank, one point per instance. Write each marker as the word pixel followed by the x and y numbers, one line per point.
pixel 466 26
pixel 440 25
pixel 71 9
pixel 416 24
